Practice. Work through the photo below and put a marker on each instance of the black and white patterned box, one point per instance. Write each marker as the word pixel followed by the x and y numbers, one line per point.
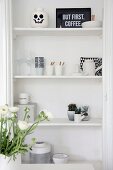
pixel 97 61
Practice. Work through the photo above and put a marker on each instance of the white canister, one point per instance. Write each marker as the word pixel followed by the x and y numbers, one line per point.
pixel 41 153
pixel 39 18
pixel 23 98
pixel 89 68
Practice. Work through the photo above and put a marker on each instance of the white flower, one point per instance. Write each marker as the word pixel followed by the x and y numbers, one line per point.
pixel 48 114
pixel 23 125
pixel 14 109
pixel 3 110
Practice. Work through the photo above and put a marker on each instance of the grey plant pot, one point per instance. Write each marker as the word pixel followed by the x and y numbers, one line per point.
pixel 71 115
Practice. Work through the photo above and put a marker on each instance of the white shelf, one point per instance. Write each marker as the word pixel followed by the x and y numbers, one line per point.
pixel 57 77
pixel 71 165
pixel 77 166
pixel 57 31
pixel 95 122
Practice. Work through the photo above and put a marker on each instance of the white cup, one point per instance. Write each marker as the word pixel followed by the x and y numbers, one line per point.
pixel 49 70
pixel 58 70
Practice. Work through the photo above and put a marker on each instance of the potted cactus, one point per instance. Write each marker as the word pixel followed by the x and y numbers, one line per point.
pixel 71 111
pixel 84 113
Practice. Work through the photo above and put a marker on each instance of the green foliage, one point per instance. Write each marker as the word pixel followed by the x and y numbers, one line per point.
pixel 12 137
pixel 78 110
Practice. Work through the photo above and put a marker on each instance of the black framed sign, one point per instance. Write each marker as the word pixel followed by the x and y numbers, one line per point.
pixel 72 17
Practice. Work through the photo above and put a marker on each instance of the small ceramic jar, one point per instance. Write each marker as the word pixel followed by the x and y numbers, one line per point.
pixel 23 98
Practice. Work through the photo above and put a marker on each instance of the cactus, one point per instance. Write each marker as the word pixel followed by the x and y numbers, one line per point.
pixel 72 107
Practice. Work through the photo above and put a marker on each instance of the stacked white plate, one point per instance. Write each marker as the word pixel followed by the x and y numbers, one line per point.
pixel 92 24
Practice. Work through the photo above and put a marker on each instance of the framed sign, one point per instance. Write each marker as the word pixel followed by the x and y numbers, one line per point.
pixel 72 17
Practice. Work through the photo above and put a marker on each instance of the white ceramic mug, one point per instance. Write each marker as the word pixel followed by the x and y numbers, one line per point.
pixel 49 70
pixel 58 70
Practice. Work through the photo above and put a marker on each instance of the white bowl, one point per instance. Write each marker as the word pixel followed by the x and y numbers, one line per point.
pixel 92 24
pixel 60 158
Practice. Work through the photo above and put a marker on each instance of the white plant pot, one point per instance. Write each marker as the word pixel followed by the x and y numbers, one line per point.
pixel 77 118
pixel 71 115
pixel 9 164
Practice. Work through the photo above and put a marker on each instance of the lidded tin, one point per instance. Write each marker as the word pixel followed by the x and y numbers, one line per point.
pixel 41 153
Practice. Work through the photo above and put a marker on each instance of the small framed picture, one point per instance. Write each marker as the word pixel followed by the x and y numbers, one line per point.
pixel 72 17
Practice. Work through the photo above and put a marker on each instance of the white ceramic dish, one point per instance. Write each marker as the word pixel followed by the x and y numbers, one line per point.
pixel 92 24
pixel 60 158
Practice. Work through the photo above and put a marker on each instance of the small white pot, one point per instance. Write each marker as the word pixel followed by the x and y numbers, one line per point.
pixel 71 115
pixel 77 118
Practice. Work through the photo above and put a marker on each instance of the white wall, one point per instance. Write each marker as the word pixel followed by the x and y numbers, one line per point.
pixel 3 70
pixel 22 14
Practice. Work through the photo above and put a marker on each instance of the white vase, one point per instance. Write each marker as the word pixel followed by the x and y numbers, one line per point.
pixel 89 68
pixel 9 164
